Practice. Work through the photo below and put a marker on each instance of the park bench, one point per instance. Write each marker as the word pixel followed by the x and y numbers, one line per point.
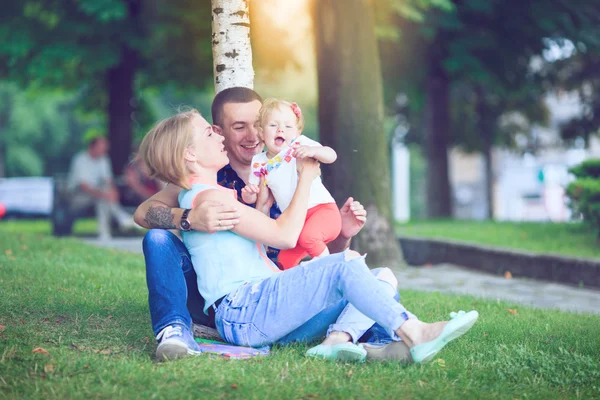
pixel 62 216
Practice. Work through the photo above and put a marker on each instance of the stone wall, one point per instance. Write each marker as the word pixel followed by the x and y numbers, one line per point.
pixel 572 270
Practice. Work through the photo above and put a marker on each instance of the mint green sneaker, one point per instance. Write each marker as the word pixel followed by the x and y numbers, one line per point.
pixel 346 352
pixel 459 324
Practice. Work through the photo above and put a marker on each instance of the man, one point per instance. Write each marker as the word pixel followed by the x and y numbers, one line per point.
pixel 90 182
pixel 174 299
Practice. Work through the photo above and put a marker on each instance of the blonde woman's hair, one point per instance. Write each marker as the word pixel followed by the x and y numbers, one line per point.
pixel 271 104
pixel 164 146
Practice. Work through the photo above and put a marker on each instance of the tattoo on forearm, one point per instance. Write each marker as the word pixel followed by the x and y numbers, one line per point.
pixel 159 217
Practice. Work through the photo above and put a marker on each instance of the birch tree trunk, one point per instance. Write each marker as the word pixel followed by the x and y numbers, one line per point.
pixel 351 120
pixel 232 53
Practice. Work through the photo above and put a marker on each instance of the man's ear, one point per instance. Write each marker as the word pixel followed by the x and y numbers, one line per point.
pixel 217 129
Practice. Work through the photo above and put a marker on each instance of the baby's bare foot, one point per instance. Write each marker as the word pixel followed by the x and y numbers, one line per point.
pixel 336 338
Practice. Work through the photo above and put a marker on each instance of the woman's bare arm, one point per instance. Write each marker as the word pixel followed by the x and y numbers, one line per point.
pixel 281 233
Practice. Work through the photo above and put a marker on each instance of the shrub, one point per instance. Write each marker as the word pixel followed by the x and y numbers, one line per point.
pixel 587 169
pixel 584 192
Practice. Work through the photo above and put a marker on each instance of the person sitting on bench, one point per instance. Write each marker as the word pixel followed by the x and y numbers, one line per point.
pixel 90 183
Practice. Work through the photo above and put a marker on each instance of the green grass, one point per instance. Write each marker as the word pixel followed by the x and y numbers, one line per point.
pixel 569 239
pixel 87 307
pixel 84 226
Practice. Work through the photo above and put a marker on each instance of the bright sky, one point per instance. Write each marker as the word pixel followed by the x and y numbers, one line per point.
pixel 285 12
pixel 297 84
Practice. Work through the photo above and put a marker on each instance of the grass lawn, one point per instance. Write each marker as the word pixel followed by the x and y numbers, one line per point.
pixel 87 308
pixel 568 239
pixel 83 226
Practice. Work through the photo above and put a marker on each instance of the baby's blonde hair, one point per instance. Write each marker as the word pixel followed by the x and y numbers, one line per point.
pixel 164 146
pixel 271 104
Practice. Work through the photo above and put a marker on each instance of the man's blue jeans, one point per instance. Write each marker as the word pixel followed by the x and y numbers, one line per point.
pixel 173 296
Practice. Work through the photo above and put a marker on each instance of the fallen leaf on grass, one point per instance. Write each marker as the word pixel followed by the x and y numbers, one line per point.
pixel 8 252
pixel 349 374
pixel 512 311
pixel 40 350
pixel 508 275
pixel 234 386
pixel 441 363
pixel 2 327
pixel 48 368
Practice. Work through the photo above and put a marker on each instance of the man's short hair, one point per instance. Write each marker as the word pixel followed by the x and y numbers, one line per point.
pixel 92 142
pixel 236 94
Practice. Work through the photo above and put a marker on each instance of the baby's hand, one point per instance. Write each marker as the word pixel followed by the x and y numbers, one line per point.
pixel 250 193
pixel 301 152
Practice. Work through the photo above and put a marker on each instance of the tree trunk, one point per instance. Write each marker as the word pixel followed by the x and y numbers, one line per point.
pixel 120 82
pixel 486 130
pixel 437 124
pixel 232 53
pixel 489 178
pixel 351 120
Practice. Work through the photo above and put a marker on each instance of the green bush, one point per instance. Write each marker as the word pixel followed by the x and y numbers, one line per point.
pixel 584 192
pixel 587 169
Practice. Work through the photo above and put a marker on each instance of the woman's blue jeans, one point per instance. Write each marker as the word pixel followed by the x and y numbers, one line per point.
pixel 173 296
pixel 301 303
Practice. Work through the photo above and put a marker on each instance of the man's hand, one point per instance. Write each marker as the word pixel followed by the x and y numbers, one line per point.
pixel 354 217
pixel 250 193
pixel 212 216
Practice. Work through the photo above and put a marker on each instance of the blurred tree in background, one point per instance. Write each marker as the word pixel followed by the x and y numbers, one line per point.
pixel 465 67
pixel 110 49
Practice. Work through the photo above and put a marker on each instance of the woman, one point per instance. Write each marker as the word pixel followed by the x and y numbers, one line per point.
pixel 254 303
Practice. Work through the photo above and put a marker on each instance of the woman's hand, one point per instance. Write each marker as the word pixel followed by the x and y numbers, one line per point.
pixel 309 168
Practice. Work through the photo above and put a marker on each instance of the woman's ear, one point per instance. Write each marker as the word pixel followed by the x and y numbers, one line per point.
pixel 190 155
pixel 217 129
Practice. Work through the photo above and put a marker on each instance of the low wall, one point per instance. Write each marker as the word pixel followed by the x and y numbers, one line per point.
pixel 572 270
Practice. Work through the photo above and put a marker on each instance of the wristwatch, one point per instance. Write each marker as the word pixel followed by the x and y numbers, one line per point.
pixel 185 224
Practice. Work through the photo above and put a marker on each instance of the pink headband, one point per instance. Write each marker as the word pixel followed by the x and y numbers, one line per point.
pixel 296 109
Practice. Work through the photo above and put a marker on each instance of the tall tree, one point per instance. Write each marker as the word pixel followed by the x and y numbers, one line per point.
pixel 232 52
pixel 107 47
pixel 351 118
pixel 487 44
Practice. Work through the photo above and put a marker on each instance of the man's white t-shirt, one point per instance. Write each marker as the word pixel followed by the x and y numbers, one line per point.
pixel 282 176
pixel 94 172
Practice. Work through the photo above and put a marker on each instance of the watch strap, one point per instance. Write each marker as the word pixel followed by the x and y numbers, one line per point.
pixel 185 224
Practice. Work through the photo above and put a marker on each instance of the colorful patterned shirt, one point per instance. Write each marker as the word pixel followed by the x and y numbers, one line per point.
pixel 228 178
